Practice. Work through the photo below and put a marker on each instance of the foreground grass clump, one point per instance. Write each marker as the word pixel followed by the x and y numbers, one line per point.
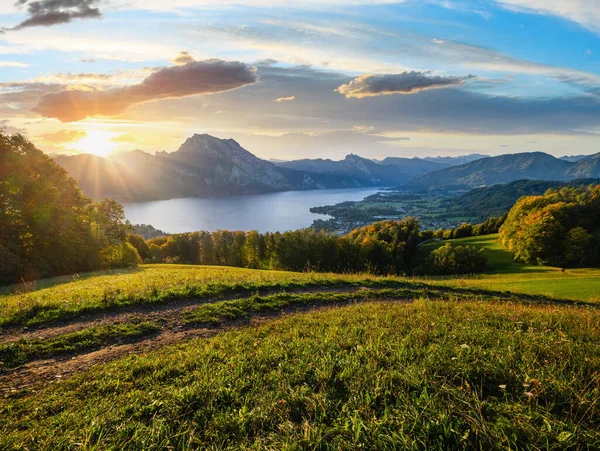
pixel 429 375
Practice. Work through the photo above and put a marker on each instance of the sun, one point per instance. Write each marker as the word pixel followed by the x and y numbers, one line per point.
pixel 97 142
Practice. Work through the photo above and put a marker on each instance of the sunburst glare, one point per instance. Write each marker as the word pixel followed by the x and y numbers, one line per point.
pixel 96 142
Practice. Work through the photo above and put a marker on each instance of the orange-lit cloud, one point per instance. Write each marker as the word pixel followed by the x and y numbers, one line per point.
pixel 197 77
pixel 183 58
pixel 63 136
pixel 404 83
pixel 285 99
pixel 125 138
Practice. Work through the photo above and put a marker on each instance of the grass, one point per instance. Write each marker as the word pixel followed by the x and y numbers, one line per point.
pixel 215 313
pixel 60 299
pixel 17 353
pixel 504 274
pixel 429 375
pixel 218 312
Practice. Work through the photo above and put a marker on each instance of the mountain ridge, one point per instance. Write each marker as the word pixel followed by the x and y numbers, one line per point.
pixel 206 166
pixel 509 168
pixel 202 166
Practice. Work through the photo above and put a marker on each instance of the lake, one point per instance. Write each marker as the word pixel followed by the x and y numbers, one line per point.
pixel 273 212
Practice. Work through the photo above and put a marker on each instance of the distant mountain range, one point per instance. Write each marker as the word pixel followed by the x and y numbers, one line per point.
pixel 508 168
pixel 359 171
pixel 202 166
pixel 455 161
pixel 207 166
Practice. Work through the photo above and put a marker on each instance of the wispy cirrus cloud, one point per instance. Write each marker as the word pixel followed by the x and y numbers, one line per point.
pixel 63 136
pixel 285 99
pixel 404 83
pixel 12 64
pixel 583 12
pixel 200 77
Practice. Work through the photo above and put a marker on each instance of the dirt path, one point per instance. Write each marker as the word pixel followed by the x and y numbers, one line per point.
pixel 168 311
pixel 38 373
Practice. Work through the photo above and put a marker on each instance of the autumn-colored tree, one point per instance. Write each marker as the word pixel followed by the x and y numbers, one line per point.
pixel 560 228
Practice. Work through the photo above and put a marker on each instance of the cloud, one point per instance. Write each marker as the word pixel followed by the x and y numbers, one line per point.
pixel 5 127
pixel 583 12
pixel 183 58
pixel 125 138
pixel 63 136
pixel 12 64
pixel 199 77
pixel 285 99
pixel 404 83
pixel 45 13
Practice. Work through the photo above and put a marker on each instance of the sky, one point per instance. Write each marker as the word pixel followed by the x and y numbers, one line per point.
pixel 304 78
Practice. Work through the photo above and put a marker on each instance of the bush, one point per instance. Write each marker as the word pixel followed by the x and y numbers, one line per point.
pixel 451 259
pixel 140 245
pixel 123 255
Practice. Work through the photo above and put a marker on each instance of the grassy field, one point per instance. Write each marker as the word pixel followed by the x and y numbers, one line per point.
pixel 504 274
pixel 60 298
pixel 429 375
pixel 384 362
pixel 67 297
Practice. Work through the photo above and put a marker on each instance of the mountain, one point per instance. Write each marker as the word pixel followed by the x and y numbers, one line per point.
pixel 508 168
pixel 456 161
pixel 586 167
pixel 202 166
pixel 413 167
pixel 574 158
pixel 360 171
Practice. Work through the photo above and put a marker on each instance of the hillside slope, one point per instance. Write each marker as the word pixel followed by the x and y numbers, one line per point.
pixel 497 200
pixel 389 363
pixel 509 168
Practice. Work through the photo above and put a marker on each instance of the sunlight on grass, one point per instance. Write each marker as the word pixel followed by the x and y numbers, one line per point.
pixel 428 375
pixel 504 274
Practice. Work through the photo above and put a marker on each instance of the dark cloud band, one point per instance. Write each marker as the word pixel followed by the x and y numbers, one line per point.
pixel 198 77
pixel 404 83
pixel 45 13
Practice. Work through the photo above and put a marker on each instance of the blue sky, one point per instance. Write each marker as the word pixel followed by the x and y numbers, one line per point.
pixel 306 78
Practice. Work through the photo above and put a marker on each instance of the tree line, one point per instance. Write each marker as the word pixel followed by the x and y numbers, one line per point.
pixel 386 247
pixel 47 226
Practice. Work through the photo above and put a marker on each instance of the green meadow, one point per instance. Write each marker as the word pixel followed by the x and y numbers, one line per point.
pixel 504 274
pixel 503 360
pixel 379 375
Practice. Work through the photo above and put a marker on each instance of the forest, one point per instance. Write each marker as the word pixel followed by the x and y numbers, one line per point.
pixel 47 226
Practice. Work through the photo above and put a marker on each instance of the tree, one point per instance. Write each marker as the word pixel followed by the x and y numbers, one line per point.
pixel 47 226
pixel 560 228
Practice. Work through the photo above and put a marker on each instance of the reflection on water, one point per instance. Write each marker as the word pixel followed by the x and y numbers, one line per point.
pixel 273 212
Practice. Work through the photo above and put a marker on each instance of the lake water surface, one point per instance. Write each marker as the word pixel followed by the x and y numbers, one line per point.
pixel 273 212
